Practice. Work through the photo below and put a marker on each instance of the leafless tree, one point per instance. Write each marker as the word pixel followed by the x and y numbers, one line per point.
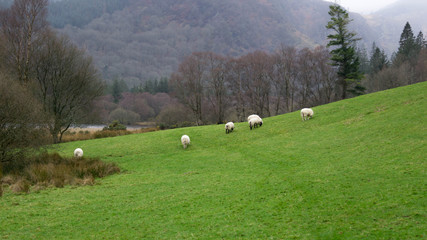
pixel 235 81
pixel 257 84
pixel 23 26
pixel 324 76
pixel 216 91
pixel 67 83
pixel 306 66
pixel 288 71
pixel 188 84
pixel 421 67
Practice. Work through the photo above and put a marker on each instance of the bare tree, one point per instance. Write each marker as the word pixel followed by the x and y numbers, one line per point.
pixel 306 65
pixel 421 67
pixel 257 84
pixel 188 84
pixel 67 83
pixel 23 27
pixel 235 81
pixel 325 77
pixel 216 85
pixel 288 72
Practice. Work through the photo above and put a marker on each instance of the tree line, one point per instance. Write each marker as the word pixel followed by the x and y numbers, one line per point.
pixel 213 88
pixel 217 88
pixel 407 65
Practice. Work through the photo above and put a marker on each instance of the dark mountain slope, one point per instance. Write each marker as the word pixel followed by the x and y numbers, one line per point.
pixel 136 40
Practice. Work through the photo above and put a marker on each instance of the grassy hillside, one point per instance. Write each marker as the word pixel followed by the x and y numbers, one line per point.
pixel 357 170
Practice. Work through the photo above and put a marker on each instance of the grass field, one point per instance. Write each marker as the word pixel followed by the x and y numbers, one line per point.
pixel 357 170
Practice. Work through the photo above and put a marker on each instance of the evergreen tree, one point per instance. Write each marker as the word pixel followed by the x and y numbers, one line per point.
pixel 116 91
pixel 344 54
pixel 364 60
pixel 163 85
pixel 148 86
pixel 378 60
pixel 420 42
pixel 407 47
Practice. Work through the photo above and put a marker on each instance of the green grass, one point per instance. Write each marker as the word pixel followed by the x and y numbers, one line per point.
pixel 357 170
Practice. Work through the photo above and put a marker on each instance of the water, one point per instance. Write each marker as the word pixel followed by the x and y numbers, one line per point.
pixel 101 126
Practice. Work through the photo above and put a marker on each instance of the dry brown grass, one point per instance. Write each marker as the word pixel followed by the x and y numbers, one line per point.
pixel 52 170
pixel 79 134
pixel 22 185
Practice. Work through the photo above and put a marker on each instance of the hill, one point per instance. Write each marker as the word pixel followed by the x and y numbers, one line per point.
pixel 138 40
pixel 354 171
pixel 391 20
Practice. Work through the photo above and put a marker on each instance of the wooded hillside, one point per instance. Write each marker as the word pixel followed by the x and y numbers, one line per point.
pixel 139 40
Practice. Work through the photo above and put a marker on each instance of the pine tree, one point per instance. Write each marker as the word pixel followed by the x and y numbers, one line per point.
pixel 420 42
pixel 116 91
pixel 363 59
pixel 344 54
pixel 407 47
pixel 378 60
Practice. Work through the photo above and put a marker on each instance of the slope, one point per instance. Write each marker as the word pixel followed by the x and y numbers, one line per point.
pixel 391 20
pixel 141 39
pixel 354 171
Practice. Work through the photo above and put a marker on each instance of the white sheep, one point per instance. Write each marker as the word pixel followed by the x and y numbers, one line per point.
pixel 306 113
pixel 252 116
pixel 78 153
pixel 229 127
pixel 185 140
pixel 255 122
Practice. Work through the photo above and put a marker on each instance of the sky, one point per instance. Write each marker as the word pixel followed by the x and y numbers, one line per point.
pixel 363 6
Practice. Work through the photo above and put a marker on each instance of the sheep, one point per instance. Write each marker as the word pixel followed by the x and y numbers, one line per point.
pixel 185 140
pixel 229 127
pixel 252 116
pixel 255 122
pixel 306 113
pixel 78 153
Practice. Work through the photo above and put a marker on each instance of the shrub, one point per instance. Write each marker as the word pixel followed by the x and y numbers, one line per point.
pixel 22 185
pixel 110 133
pixel 115 125
pixel 124 116
pixel 53 170
pixel 1 182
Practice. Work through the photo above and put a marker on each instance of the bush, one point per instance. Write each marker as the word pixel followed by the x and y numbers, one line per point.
pixel 124 116
pixel 115 125
pixel 1 182
pixel 110 133
pixel 53 170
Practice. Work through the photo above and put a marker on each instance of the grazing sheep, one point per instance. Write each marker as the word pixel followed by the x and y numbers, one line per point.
pixel 185 140
pixel 229 127
pixel 78 153
pixel 255 122
pixel 252 116
pixel 306 113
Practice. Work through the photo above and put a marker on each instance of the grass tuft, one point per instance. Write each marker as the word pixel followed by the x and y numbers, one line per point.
pixel 71 136
pixel 53 170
